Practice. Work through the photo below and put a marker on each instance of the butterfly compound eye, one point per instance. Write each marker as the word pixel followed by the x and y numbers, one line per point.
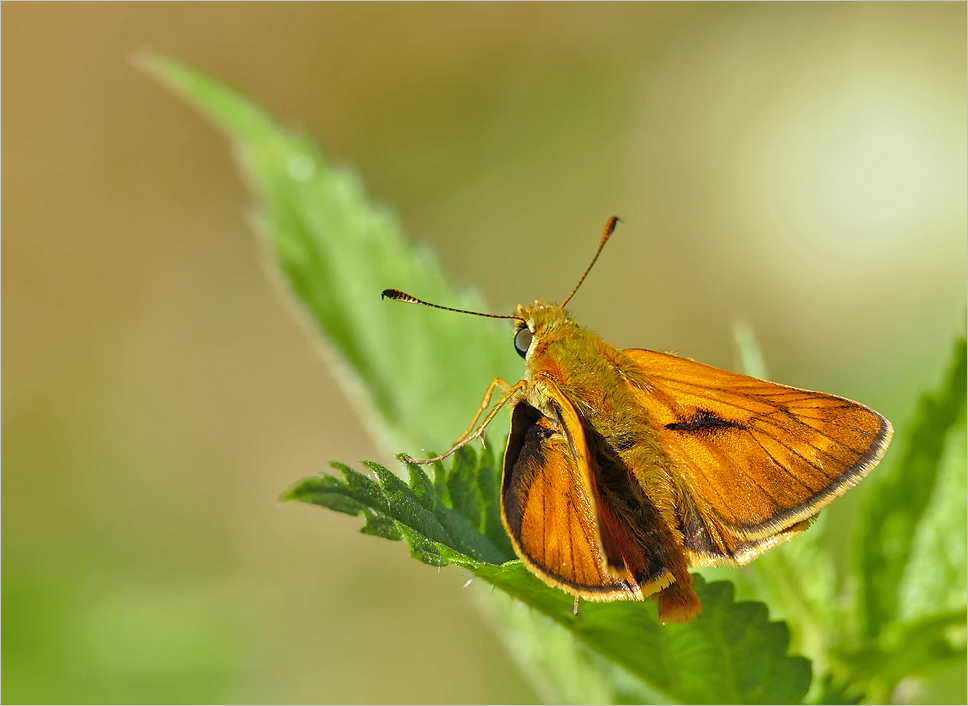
pixel 522 341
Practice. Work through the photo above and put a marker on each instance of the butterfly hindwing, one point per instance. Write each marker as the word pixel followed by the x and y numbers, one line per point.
pixel 547 508
pixel 552 510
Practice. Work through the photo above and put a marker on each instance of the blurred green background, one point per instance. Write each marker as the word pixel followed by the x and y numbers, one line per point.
pixel 798 166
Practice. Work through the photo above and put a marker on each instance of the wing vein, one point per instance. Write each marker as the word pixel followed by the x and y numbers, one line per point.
pixel 780 465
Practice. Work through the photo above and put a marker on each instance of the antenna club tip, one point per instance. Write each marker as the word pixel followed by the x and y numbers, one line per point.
pixel 609 229
pixel 396 295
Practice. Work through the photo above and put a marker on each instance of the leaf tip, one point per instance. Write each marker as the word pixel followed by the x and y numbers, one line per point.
pixel 296 492
pixel 160 67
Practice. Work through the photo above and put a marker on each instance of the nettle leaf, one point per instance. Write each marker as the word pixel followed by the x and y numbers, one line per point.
pixel 915 649
pixel 732 653
pixel 900 500
pixel 748 351
pixel 414 374
pixel 936 578
pixel 415 377
pixel 912 557
pixel 830 690
pixel 472 484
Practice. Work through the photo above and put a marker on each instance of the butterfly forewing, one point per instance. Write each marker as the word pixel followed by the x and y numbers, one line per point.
pixel 759 458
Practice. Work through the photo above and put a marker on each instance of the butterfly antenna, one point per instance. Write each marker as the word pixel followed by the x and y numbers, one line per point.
pixel 399 296
pixel 609 228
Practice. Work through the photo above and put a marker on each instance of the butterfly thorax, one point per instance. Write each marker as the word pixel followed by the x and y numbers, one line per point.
pixel 599 381
pixel 591 373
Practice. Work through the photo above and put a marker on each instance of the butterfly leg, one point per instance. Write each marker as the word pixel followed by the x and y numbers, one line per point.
pixel 479 432
pixel 496 382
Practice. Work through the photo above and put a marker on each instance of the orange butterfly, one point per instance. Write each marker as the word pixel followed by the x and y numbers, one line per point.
pixel 625 468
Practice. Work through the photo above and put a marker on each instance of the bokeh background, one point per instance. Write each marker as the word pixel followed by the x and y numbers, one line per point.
pixel 801 167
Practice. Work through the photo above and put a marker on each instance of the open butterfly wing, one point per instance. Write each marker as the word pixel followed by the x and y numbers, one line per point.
pixel 552 512
pixel 757 460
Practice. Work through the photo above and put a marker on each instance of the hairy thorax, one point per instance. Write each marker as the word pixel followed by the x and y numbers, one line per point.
pixel 597 377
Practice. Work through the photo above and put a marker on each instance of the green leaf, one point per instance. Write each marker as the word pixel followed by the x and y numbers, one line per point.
pixel 731 654
pixel 748 349
pixel 416 511
pixel 463 488
pixel 936 578
pixel 414 372
pixel 900 499
pixel 919 648
pixel 471 486
pixel 560 667
pixel 416 376
pixel 833 691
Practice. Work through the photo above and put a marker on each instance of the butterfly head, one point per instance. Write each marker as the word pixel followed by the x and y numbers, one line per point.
pixel 536 324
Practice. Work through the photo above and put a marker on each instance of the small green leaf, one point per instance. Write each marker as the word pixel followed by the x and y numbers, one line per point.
pixel 833 691
pixel 326 491
pixel 899 500
pixel 382 526
pixel 422 488
pixel 749 352
pixel 936 578
pixel 918 648
pixel 423 549
pixel 406 506
pixel 463 488
pixel 489 481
